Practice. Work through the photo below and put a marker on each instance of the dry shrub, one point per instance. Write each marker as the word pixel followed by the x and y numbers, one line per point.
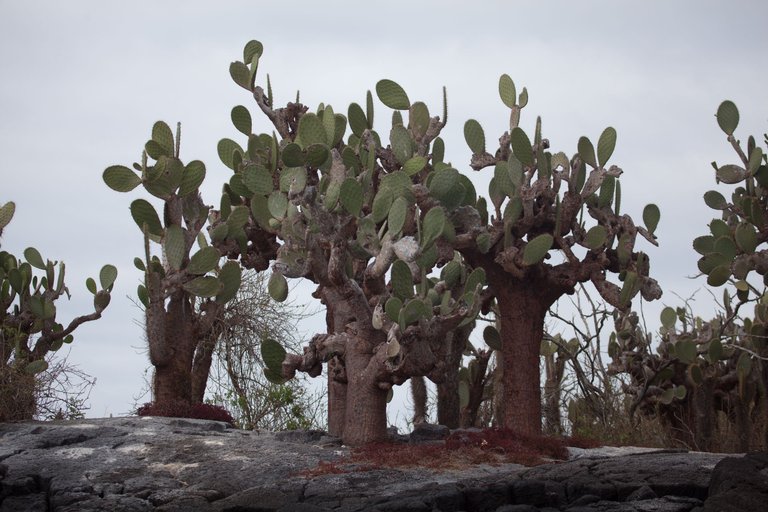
pixel 17 394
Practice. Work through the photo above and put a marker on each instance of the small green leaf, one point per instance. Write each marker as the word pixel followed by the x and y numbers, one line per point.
pixel 91 285
pixel 392 95
pixel 727 117
pixel 6 213
pixel 536 249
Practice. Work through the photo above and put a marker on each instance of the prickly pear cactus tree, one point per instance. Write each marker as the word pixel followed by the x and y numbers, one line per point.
pixel 554 222
pixel 702 368
pixel 186 286
pixel 354 215
pixel 29 329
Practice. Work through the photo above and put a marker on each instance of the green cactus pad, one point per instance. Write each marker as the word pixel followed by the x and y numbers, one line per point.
pixel 402 145
pixel 668 317
pixel 502 180
pixel 230 277
pixel 686 351
pixel 725 246
pixel 194 174
pixel 6 213
pixel 174 246
pixel 273 354
pixel 277 204
pixel 492 337
pixel 392 308
pixel 33 257
pixel 475 136
pixel 607 190
pixel 507 91
pixel 107 276
pixel 522 99
pixel 745 236
pixel 731 174
pixel 257 179
pixel 715 200
pixel 357 120
pixel 252 49
pixel 438 150
pixel 418 120
pixel 317 155
pixel 432 226
pixel 381 204
pixel 414 165
pixel 596 237
pixel 451 273
pixel 475 278
pixel 587 151
pixel 240 74
pixel 241 119
pixel 521 146
pixel 629 289
pixel 728 117
pixel 536 249
pixel 441 183
pixel 351 195
pixel 719 275
pixel 397 215
pixel 278 287
pixel 605 145
pixel 121 178
pixel 392 95
pixel 311 131
pixel 412 312
pixel 36 367
pixel 144 213
pixel 402 280
pixel 203 261
pixel 204 286
pixel 260 211
pixel 651 216
pixel 293 156
pixel 227 149
pixel 163 136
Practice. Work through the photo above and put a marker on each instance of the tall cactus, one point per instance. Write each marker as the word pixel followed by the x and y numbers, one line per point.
pixel 355 217
pixel 29 329
pixel 702 367
pixel 537 243
pixel 186 289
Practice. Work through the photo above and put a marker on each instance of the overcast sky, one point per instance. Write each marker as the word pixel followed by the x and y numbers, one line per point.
pixel 81 84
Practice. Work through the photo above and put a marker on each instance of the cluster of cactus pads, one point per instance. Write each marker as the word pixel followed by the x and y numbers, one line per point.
pixel 705 367
pixel 29 328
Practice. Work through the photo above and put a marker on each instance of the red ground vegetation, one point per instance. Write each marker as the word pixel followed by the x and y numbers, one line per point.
pixel 181 410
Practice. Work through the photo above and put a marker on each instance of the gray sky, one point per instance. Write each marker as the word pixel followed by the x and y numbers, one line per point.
pixel 81 84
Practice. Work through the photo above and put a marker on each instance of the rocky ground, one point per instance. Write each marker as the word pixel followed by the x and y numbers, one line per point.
pixel 165 464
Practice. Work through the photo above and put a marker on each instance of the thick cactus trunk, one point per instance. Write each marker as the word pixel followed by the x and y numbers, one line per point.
pixel 172 383
pixel 366 413
pixel 522 310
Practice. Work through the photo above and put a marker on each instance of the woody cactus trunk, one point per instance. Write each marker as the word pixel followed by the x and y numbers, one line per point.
pixel 184 292
pixel 537 244
pixel 356 219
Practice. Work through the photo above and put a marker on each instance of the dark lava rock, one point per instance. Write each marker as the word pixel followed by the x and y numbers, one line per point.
pixel 174 465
